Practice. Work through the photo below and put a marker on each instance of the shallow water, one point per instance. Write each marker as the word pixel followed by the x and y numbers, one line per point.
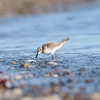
pixel 20 37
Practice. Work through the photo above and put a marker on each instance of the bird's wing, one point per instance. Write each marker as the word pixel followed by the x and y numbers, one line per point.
pixel 51 45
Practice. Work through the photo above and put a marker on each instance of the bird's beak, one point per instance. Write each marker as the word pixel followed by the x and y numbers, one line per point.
pixel 36 55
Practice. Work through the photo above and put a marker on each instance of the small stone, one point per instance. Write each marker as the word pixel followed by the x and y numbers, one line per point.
pixel 71 74
pixel 52 63
pixel 14 62
pixel 52 97
pixel 88 80
pixel 27 98
pixel 55 75
pixel 30 61
pixel 57 71
pixel 82 69
pixel 94 96
pixel 57 87
pixel 25 65
pixel 48 74
pixel 67 71
pixel 1 72
pixel 8 84
pixel 17 92
pixel 18 77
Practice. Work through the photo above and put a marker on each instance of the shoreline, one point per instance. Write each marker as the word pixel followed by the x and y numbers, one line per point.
pixel 25 7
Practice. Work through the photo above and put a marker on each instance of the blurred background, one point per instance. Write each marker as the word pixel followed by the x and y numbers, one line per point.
pixel 20 7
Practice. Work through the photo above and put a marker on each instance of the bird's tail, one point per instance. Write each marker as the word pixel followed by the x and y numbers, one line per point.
pixel 65 40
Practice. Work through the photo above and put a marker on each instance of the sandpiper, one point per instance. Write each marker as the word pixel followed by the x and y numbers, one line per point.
pixel 50 48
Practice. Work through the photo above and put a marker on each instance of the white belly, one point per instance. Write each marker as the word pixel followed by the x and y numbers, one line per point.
pixel 55 49
pixel 47 50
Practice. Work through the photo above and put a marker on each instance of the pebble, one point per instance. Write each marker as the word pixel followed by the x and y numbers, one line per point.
pixel 55 75
pixel 1 72
pixel 8 84
pixel 88 80
pixel 31 61
pixel 14 62
pixel 28 98
pixel 71 74
pixel 57 71
pixel 57 88
pixel 17 92
pixel 18 77
pixel 52 63
pixel 66 72
pixel 25 65
pixel 52 97
pixel 48 74
pixel 82 69
pixel 94 96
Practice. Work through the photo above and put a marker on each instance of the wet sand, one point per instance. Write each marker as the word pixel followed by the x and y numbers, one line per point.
pixel 71 76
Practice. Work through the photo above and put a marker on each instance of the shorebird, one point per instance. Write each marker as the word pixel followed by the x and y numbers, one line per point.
pixel 50 48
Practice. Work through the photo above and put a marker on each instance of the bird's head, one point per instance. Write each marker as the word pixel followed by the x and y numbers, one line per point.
pixel 39 51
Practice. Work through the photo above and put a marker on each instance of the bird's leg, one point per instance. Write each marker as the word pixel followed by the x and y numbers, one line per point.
pixel 55 55
pixel 52 57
